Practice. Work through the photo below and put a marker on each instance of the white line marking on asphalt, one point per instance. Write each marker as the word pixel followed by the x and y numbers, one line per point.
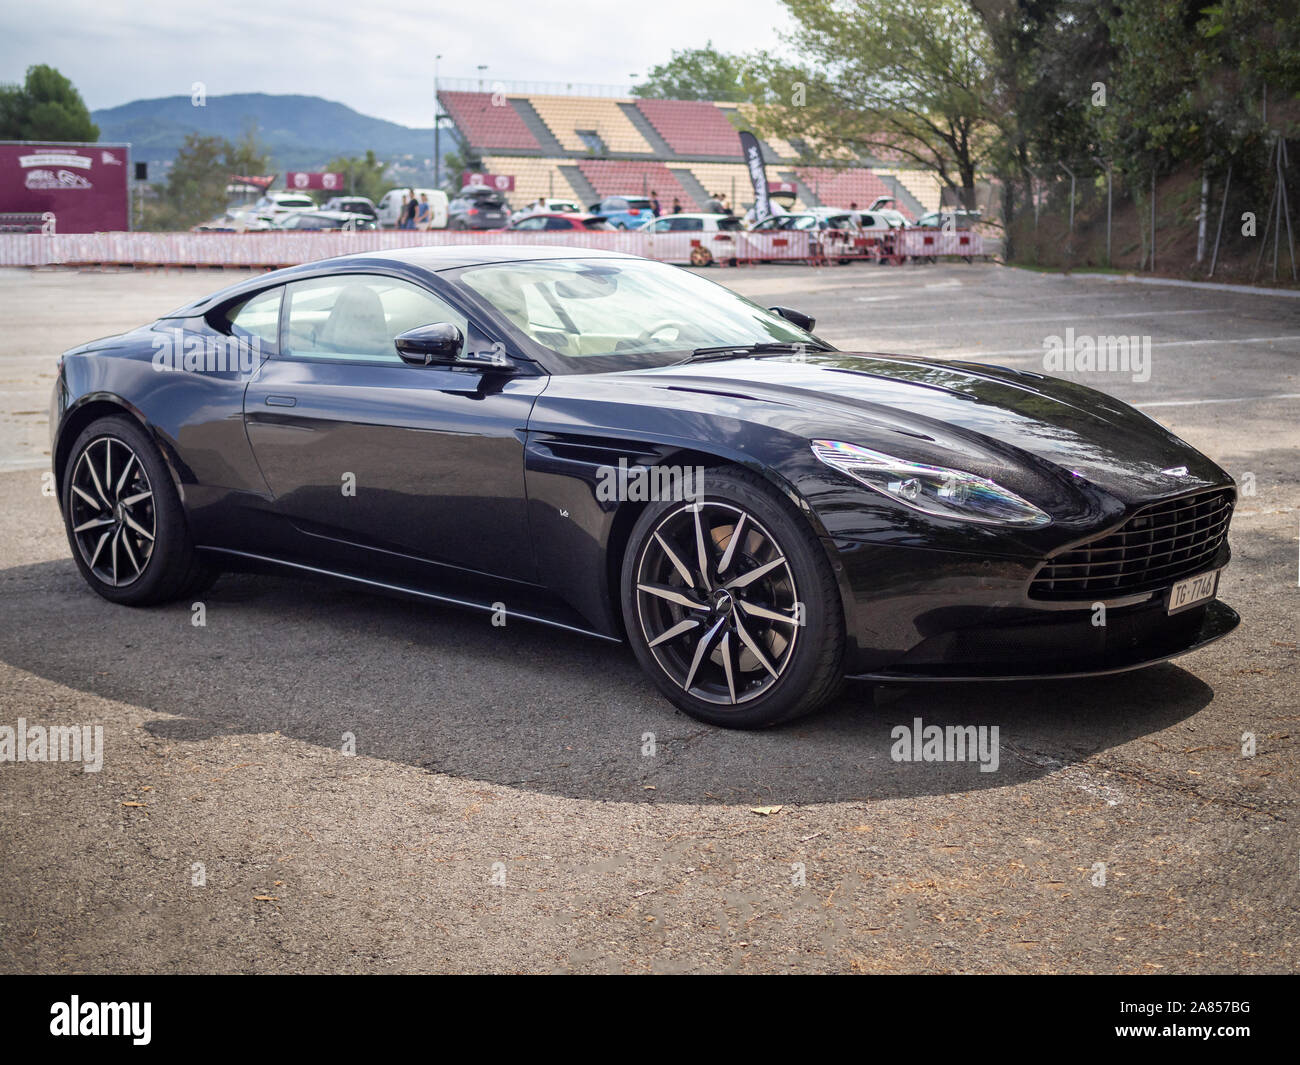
pixel 1230 399
pixel 1227 342
pixel 1064 319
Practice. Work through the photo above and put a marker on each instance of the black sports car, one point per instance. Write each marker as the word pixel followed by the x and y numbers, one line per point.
pixel 622 448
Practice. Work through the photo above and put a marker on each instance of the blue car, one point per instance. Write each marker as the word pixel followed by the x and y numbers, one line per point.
pixel 624 212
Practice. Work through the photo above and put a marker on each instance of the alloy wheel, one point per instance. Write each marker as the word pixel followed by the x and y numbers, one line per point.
pixel 111 511
pixel 717 602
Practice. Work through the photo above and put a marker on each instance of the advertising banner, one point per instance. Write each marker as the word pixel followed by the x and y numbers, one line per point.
pixel 757 174
pixel 301 179
pixel 500 182
pixel 85 186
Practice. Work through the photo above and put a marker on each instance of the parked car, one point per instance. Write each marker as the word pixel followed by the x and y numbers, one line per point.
pixel 274 206
pixel 538 222
pixel 477 207
pixel 322 220
pixel 235 220
pixel 949 219
pixel 717 234
pixel 549 206
pixel 352 205
pixel 893 518
pixel 829 230
pixel 624 212
pixel 390 207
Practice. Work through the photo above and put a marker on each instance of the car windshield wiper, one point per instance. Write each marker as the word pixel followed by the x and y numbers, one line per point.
pixel 744 351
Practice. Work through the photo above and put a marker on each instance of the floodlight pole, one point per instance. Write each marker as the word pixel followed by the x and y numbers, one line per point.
pixel 437 126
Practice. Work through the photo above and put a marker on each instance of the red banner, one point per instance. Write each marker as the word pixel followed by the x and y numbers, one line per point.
pixel 500 182
pixel 301 179
pixel 83 185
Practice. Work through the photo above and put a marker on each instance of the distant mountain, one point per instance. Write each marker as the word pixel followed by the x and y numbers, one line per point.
pixel 300 132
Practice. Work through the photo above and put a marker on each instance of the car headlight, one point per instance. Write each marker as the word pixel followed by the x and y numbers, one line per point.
pixel 933 490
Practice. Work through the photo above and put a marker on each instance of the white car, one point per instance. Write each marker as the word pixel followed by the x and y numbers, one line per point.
pixel 389 207
pixel 550 207
pixel 720 243
pixel 274 207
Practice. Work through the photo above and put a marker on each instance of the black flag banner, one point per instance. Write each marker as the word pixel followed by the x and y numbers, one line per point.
pixel 757 174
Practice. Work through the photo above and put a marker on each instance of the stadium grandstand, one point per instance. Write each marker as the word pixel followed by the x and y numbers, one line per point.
pixel 586 147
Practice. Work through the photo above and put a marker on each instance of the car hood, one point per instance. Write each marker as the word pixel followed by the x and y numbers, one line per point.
pixel 990 420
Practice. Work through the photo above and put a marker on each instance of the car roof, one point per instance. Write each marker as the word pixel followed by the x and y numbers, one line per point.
pixel 433 259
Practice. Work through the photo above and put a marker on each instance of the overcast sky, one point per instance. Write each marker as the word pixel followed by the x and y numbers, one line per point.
pixel 376 57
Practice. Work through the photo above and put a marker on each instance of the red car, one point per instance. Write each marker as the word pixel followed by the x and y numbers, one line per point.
pixel 544 220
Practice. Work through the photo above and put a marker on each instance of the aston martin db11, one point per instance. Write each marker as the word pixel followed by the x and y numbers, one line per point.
pixel 622 448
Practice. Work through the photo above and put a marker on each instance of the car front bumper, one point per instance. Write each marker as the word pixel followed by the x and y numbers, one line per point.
pixel 923 615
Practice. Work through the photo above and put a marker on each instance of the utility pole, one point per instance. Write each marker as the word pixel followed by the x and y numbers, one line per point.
pixel 437 126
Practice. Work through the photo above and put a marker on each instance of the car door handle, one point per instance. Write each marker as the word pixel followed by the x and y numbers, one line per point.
pixel 281 401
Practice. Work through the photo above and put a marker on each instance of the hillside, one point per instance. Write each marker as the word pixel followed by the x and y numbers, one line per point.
pixel 300 132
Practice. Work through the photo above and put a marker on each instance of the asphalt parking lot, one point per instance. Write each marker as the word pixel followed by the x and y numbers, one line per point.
pixel 501 812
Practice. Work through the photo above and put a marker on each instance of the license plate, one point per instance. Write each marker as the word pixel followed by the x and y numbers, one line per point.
pixel 1188 593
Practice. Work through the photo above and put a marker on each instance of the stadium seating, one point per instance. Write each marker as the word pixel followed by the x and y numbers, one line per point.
pixel 923 184
pixel 487 125
pixel 840 188
pixel 612 177
pixel 692 127
pixel 784 149
pixel 566 115
pixel 533 178
pixel 680 145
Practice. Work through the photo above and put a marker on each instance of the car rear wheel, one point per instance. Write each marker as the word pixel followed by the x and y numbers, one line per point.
pixel 731 607
pixel 124 519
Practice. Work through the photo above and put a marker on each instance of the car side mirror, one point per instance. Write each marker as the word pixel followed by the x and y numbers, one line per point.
pixel 440 344
pixel 803 321
pixel 443 344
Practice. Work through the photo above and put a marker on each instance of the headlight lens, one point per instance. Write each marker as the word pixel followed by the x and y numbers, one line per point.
pixel 933 490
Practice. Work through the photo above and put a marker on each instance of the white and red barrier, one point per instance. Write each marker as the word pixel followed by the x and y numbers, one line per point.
pixel 916 243
pixel 286 249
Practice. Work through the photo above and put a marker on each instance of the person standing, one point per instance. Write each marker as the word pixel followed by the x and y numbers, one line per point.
pixel 655 209
pixel 423 212
pixel 677 205
pixel 412 206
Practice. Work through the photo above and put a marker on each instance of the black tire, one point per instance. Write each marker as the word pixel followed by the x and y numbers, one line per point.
pixel 130 538
pixel 740 679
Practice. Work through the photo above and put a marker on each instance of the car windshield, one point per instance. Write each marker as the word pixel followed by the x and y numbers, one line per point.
pixel 614 314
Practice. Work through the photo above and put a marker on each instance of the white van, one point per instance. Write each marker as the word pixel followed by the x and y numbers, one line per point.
pixel 391 206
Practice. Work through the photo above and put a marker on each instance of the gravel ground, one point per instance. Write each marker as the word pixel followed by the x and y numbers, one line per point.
pixel 502 812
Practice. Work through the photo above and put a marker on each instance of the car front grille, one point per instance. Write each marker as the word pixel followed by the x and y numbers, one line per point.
pixel 1158 545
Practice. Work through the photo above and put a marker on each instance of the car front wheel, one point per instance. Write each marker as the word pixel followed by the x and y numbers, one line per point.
pixel 124 518
pixel 731 607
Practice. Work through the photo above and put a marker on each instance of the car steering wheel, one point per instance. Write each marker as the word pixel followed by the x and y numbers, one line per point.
pixel 648 333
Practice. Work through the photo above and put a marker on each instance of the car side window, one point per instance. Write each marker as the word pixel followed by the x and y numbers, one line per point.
pixel 691 224
pixel 531 223
pixel 257 318
pixel 354 317
pixel 558 223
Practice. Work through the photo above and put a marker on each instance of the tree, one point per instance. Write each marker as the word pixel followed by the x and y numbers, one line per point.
pixel 909 78
pixel 196 187
pixel 702 74
pixel 361 176
pixel 46 107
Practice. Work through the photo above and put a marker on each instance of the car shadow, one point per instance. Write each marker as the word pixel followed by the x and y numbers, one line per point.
pixel 529 706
